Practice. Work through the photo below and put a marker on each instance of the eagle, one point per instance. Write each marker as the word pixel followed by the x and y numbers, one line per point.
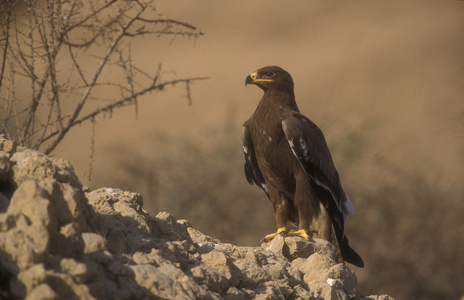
pixel 287 156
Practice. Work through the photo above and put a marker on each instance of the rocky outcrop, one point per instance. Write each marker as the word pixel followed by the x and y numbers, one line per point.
pixel 60 240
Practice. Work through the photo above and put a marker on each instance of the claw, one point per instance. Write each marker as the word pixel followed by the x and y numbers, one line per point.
pixel 302 233
pixel 282 231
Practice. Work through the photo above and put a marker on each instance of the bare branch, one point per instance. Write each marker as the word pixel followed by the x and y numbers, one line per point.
pixel 90 16
pixel 78 68
pixel 20 56
pixel 127 101
pixel 92 148
pixel 6 46
pixel 170 21
pixel 95 34
pixel 130 79
pixel 92 39
pixel 189 95
pixel 91 85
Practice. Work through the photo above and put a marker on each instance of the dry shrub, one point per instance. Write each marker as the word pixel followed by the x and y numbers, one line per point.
pixel 63 63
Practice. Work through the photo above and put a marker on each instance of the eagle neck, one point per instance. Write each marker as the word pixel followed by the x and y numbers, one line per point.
pixel 280 98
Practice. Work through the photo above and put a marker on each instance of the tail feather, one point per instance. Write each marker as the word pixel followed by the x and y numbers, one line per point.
pixel 349 255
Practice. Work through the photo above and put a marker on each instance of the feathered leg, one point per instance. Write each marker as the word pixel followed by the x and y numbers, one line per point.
pixel 307 209
pixel 281 212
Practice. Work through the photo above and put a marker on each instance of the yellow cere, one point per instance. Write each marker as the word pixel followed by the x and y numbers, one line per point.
pixel 253 76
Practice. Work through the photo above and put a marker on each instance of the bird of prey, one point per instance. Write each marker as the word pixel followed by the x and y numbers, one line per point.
pixel 287 156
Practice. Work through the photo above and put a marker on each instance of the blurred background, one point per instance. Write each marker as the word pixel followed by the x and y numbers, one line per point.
pixel 383 80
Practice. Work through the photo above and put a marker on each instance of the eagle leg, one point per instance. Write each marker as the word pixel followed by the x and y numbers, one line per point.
pixel 282 231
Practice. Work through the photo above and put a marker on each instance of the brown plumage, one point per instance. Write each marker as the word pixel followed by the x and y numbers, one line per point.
pixel 287 156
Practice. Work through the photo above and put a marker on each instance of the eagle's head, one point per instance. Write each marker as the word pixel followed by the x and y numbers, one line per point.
pixel 271 77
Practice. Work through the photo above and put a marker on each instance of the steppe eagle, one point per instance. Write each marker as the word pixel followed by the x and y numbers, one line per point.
pixel 287 156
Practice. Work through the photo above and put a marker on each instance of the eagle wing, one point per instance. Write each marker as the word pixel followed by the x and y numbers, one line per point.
pixel 252 171
pixel 310 147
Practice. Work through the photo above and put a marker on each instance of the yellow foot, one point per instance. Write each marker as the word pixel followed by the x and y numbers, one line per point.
pixel 302 233
pixel 283 231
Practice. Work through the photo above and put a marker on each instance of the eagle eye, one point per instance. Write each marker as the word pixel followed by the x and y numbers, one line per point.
pixel 269 74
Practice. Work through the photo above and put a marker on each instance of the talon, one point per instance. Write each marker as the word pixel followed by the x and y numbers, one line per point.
pixel 301 233
pixel 282 231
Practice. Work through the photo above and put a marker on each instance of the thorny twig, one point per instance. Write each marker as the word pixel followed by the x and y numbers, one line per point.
pixel 6 33
pixel 33 42
pixel 128 100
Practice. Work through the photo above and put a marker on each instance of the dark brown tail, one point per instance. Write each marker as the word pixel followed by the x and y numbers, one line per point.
pixel 349 255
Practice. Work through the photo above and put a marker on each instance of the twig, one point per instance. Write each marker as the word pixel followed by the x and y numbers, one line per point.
pixel 170 21
pixel 91 85
pixel 92 148
pixel 6 46
pixel 33 50
pixel 125 101
pixel 90 16
pixel 189 96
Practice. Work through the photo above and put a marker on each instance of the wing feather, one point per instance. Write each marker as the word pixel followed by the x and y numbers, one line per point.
pixel 310 147
pixel 252 171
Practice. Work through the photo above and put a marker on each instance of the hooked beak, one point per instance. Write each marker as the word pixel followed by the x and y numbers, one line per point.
pixel 252 79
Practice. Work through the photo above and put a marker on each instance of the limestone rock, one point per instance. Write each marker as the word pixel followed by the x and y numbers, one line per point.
pixel 7 146
pixel 60 240
pixel 30 164
pixel 42 292
pixel 296 247
pixel 93 242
